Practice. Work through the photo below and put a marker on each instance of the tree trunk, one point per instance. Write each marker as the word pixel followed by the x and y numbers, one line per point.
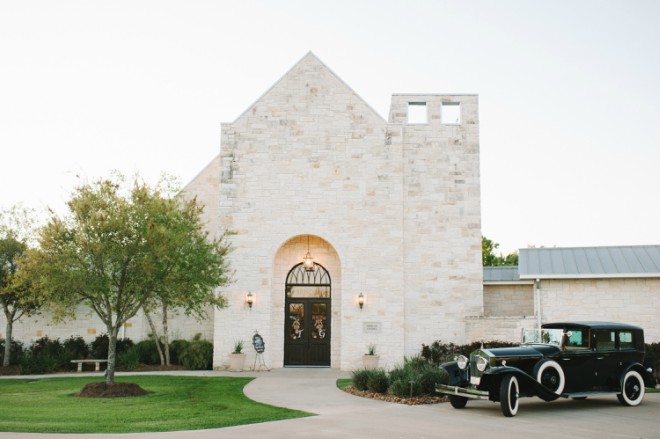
pixel 8 331
pixel 154 334
pixel 166 338
pixel 112 354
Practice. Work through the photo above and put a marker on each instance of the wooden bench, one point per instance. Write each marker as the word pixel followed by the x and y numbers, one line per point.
pixel 97 364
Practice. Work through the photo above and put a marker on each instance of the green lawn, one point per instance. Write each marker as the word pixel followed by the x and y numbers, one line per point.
pixel 174 403
pixel 342 383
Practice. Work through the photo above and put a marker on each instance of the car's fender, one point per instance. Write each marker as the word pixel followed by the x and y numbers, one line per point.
pixel 457 376
pixel 528 384
pixel 649 379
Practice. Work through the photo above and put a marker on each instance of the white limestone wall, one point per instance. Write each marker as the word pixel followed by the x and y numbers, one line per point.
pixel 441 218
pixel 206 188
pixel 509 300
pixel 309 158
pixel 634 301
pixel 507 328
pixel 89 326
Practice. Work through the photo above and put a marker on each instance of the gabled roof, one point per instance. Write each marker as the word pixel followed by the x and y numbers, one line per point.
pixel 590 262
pixel 313 59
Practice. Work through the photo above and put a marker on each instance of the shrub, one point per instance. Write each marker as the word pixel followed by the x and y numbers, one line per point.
pixel 403 389
pixel 429 377
pixel 44 356
pixel 76 348
pixel 176 348
pixel 198 355
pixel 147 352
pixel 400 381
pixel 130 359
pixel 377 381
pixel 16 352
pixel 438 353
pixel 360 378
pixel 99 346
pixel 416 377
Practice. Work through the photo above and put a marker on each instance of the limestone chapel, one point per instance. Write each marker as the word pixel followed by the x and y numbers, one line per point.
pixel 386 211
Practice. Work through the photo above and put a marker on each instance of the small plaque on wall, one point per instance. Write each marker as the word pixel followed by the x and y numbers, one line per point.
pixel 372 327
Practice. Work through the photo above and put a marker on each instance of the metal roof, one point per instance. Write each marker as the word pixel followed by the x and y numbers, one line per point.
pixel 590 262
pixel 501 274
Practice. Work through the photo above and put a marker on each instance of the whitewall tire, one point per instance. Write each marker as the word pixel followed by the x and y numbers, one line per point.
pixel 509 395
pixel 551 375
pixel 632 389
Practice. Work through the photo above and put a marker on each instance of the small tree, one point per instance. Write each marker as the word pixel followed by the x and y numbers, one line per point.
pixel 15 232
pixel 120 250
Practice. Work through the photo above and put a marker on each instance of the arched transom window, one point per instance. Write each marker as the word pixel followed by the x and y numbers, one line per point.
pixel 302 283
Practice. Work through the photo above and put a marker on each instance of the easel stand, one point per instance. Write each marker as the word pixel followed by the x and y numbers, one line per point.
pixel 259 358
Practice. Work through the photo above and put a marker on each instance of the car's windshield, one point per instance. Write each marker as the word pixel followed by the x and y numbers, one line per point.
pixel 542 336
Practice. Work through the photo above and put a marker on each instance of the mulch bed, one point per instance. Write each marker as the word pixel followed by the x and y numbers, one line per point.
pixel 115 390
pixel 415 400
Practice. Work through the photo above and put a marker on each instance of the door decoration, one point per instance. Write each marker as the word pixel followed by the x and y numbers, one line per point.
pixel 297 319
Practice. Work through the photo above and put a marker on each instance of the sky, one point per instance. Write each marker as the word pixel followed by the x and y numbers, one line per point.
pixel 569 95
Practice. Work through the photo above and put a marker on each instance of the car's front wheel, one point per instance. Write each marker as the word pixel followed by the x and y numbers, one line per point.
pixel 458 402
pixel 509 394
pixel 632 389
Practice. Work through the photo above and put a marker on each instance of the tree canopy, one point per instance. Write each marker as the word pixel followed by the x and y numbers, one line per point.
pixel 16 299
pixel 491 259
pixel 123 247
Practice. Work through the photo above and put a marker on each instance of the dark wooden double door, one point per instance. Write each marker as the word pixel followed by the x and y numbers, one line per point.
pixel 307 332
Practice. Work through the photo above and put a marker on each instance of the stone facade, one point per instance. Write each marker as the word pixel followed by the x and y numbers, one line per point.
pixel 392 210
pixel 88 326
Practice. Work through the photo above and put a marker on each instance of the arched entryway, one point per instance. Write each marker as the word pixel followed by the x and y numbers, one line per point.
pixel 307 316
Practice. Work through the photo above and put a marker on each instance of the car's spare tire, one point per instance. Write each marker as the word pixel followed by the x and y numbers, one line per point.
pixel 551 375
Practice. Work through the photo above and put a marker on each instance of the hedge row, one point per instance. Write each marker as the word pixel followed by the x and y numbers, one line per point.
pixel 47 355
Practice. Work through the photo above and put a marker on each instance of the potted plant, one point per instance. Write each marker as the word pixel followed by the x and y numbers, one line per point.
pixel 370 359
pixel 237 358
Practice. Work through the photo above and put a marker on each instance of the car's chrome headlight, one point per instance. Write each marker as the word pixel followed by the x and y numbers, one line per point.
pixel 462 361
pixel 481 364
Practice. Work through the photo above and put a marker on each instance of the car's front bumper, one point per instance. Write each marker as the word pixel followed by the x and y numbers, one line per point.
pixel 461 391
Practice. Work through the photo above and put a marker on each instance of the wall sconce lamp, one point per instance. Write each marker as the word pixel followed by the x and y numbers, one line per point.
pixel 361 301
pixel 249 299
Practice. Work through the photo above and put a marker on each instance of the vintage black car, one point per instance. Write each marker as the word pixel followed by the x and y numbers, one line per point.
pixel 568 360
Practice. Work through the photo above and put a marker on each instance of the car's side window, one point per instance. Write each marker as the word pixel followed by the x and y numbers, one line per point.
pixel 626 340
pixel 576 339
pixel 605 340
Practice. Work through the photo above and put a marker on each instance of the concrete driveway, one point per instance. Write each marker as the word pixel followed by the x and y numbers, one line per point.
pixel 341 415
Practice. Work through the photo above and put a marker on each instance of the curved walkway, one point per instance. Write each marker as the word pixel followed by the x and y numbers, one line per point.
pixel 341 415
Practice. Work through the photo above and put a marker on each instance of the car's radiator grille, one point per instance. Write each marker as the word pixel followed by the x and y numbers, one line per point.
pixel 474 372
